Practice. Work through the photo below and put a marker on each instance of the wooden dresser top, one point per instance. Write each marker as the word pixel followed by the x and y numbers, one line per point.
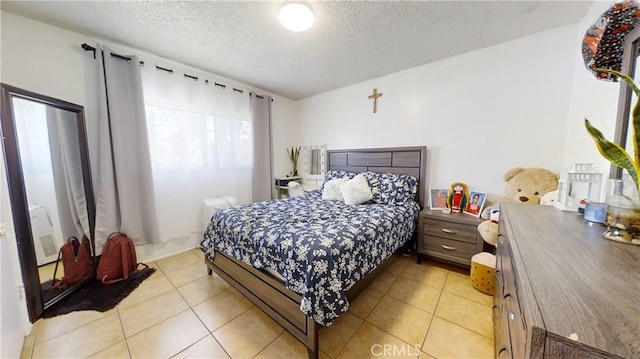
pixel 581 282
pixel 453 217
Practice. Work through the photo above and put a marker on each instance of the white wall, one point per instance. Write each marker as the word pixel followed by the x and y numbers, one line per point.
pixel 286 134
pixel 15 324
pixel 593 99
pixel 479 114
pixel 49 60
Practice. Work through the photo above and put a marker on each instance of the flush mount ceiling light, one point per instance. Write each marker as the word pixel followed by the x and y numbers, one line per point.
pixel 296 17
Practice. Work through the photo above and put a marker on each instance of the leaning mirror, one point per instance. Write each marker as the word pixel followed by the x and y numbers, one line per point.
pixel 314 161
pixel 48 174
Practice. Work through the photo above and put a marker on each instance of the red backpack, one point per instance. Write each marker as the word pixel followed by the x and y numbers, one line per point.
pixel 76 261
pixel 118 259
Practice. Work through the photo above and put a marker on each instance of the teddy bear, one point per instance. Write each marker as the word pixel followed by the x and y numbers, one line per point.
pixel 528 185
pixel 489 229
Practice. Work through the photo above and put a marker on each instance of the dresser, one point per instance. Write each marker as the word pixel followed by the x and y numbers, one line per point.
pixel 450 237
pixel 563 291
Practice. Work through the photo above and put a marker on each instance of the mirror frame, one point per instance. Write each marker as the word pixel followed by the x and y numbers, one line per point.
pixel 307 162
pixel 629 63
pixel 18 198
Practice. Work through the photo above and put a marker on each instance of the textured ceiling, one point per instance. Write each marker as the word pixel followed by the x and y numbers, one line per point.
pixel 350 42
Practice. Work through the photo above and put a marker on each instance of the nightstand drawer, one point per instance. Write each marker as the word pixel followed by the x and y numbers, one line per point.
pixel 452 238
pixel 456 231
pixel 449 246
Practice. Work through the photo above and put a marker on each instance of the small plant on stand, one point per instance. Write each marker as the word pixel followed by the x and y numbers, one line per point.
pixel 294 154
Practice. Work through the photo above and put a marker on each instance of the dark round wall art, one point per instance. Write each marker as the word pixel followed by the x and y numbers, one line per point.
pixel 603 44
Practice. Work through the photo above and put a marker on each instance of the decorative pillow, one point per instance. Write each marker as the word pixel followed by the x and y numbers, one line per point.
pixel 391 188
pixel 332 174
pixel 332 190
pixel 356 190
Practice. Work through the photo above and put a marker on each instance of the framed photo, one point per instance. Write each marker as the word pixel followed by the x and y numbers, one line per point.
pixel 438 198
pixel 475 203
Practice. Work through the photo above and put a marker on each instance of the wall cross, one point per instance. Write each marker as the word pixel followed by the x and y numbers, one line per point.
pixel 375 96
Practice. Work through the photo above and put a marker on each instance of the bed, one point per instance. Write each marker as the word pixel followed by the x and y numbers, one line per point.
pixel 302 259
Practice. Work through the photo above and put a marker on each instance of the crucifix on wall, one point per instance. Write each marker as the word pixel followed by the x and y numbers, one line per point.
pixel 375 96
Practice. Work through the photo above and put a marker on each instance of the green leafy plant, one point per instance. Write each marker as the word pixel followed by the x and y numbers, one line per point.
pixel 294 154
pixel 613 152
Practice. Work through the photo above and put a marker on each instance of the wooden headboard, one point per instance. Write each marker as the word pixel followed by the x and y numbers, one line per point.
pixel 400 160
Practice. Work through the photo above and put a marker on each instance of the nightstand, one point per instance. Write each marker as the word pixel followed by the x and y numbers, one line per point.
pixel 449 237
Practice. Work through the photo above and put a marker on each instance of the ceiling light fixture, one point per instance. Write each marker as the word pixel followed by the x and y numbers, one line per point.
pixel 296 17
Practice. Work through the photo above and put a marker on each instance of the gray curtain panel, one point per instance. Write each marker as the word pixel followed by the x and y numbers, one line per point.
pixel 67 172
pixel 124 185
pixel 262 178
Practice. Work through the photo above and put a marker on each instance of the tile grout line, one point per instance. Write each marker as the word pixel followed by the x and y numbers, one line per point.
pixel 196 342
pixel 351 337
pixel 433 317
pixel 133 335
pixel 200 319
pixel 266 346
pixel 469 299
pixel 124 335
pixel 377 327
pixel 462 326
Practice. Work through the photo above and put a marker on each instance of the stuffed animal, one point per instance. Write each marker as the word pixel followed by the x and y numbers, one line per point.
pixel 295 189
pixel 489 229
pixel 549 198
pixel 527 185
pixel 458 196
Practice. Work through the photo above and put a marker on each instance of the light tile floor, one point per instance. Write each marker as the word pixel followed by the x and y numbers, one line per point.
pixel 426 311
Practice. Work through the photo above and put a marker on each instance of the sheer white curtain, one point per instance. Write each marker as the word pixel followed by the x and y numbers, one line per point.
pixel 51 166
pixel 35 159
pixel 200 142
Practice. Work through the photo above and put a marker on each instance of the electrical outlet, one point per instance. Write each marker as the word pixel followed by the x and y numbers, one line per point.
pixel 21 292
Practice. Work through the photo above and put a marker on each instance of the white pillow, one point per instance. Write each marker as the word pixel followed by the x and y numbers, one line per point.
pixel 356 190
pixel 332 191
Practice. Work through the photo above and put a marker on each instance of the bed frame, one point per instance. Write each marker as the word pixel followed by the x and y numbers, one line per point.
pixel 270 294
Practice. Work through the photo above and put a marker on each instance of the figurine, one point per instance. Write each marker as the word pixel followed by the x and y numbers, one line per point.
pixel 458 197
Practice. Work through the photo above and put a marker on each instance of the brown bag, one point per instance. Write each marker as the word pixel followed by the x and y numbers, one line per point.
pixel 118 259
pixel 76 261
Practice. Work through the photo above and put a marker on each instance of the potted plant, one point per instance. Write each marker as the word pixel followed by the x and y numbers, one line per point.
pixel 623 203
pixel 294 154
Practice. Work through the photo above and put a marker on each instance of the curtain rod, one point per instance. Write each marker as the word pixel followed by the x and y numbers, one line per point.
pixel 87 47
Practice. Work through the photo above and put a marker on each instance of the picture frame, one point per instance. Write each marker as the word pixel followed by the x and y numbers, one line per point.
pixel 438 198
pixel 475 203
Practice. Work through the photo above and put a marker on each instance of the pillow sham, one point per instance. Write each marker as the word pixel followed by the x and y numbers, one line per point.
pixel 331 191
pixel 391 188
pixel 356 190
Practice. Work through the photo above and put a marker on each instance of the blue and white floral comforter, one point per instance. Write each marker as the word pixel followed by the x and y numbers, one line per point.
pixel 320 247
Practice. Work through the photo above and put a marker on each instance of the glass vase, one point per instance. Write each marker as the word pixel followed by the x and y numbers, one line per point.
pixel 623 212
